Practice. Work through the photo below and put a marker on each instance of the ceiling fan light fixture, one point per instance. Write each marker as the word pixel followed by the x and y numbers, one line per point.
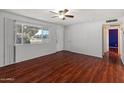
pixel 61 16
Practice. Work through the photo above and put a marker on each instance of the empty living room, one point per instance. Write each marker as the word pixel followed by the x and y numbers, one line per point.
pixel 62 46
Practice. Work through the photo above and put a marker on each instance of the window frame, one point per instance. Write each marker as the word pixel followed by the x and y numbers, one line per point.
pixel 32 25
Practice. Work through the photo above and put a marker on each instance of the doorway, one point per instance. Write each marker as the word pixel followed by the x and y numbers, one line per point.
pixel 111 38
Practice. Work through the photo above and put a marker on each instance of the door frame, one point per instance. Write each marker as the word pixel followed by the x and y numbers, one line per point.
pixel 9 47
pixel 106 27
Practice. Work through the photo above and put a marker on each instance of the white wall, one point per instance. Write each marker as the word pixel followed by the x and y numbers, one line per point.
pixel 1 41
pixel 122 46
pixel 85 38
pixel 122 49
pixel 25 52
pixel 60 37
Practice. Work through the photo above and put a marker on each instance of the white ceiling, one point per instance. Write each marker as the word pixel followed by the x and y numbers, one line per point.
pixel 80 15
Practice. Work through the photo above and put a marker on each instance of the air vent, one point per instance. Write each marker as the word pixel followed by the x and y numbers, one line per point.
pixel 113 20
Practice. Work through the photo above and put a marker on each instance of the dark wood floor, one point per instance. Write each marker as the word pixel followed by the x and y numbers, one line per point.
pixel 67 67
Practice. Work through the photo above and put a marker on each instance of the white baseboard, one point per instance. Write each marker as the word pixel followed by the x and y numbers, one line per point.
pixel 99 56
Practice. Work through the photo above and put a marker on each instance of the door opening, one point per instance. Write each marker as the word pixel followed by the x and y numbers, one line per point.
pixel 111 39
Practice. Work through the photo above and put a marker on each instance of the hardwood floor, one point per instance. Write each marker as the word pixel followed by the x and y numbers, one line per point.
pixel 66 67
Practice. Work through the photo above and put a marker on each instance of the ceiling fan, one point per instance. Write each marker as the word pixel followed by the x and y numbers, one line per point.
pixel 62 14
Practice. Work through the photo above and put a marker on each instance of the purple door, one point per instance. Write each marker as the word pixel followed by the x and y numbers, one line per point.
pixel 113 40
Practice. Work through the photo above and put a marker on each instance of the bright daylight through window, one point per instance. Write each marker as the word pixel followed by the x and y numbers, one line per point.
pixel 26 34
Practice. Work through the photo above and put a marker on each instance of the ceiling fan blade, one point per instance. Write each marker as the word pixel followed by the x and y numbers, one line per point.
pixel 71 16
pixel 54 16
pixel 66 10
pixel 53 12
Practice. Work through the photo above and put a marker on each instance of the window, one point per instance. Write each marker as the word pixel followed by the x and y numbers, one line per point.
pixel 32 35
pixel 26 34
pixel 45 33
